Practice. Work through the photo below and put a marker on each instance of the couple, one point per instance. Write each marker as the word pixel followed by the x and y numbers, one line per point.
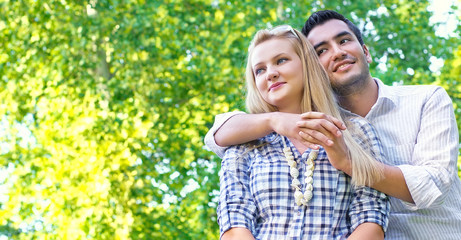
pixel 266 185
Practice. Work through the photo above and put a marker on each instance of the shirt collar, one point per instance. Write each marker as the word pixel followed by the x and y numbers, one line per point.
pixel 385 94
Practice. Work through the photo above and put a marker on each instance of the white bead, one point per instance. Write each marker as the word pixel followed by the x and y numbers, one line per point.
pixel 298 202
pixel 298 195
pixel 295 182
pixel 308 195
pixel 294 172
pixel 313 154
pixel 304 202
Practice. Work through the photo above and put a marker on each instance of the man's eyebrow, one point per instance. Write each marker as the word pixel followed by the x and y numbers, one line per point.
pixel 343 33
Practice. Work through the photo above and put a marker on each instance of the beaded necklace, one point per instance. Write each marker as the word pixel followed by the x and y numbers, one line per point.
pixel 300 197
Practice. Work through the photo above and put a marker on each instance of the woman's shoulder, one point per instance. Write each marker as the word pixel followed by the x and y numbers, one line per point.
pixel 354 119
pixel 360 128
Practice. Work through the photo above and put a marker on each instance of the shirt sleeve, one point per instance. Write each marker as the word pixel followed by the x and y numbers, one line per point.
pixel 368 204
pixel 236 207
pixel 210 142
pixel 433 166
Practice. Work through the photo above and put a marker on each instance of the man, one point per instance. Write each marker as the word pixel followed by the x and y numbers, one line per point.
pixel 416 125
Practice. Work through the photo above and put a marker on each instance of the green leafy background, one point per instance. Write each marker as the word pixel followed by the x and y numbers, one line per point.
pixel 104 104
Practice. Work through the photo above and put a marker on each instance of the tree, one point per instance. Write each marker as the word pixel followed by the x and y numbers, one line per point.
pixel 105 104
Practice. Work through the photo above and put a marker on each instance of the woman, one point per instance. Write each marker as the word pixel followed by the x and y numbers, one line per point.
pixel 276 188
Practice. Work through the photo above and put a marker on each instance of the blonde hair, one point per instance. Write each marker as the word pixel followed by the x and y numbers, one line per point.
pixel 317 96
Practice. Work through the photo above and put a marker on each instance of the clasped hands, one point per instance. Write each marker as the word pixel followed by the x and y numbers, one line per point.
pixel 314 129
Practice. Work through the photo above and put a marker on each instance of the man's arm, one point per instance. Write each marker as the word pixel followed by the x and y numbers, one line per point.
pixel 243 128
pixel 231 129
pixel 393 184
pixel 433 165
pixel 393 181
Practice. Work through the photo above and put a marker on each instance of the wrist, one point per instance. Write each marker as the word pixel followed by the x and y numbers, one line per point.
pixel 271 120
pixel 346 167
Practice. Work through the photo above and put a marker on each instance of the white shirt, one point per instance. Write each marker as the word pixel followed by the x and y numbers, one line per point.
pixel 417 128
pixel 418 131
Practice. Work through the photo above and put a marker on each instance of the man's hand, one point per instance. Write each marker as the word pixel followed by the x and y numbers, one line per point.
pixel 317 128
pixel 324 130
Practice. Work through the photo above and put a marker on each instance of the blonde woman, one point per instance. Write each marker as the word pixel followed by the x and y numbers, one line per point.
pixel 276 187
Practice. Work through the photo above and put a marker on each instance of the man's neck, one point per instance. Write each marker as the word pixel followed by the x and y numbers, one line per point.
pixel 360 102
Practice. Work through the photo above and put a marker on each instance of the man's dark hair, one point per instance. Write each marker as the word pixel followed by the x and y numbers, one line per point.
pixel 320 17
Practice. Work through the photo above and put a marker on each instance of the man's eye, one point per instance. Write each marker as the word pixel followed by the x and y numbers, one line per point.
pixel 319 52
pixel 345 40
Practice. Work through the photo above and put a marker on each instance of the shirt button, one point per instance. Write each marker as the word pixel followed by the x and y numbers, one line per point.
pixel 299 212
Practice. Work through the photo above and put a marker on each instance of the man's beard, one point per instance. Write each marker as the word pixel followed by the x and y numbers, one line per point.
pixel 353 86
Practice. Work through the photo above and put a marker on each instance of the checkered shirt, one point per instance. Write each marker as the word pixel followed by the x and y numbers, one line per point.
pixel 256 193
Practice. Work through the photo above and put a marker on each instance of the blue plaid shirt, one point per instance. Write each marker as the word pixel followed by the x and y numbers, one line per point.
pixel 256 192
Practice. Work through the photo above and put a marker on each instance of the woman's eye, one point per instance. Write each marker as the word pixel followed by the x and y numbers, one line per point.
pixel 282 60
pixel 258 71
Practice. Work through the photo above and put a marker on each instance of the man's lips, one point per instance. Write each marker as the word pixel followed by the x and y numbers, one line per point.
pixel 276 85
pixel 343 65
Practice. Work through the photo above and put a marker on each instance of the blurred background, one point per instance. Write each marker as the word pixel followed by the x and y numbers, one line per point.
pixel 104 104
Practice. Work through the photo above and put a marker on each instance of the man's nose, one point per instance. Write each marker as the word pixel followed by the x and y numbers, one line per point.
pixel 338 52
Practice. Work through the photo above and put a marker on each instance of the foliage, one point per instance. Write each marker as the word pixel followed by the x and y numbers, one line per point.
pixel 104 104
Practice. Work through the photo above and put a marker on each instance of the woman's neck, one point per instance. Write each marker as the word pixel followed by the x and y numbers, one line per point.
pixel 299 146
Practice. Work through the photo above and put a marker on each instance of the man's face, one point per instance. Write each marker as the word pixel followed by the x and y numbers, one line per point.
pixel 340 53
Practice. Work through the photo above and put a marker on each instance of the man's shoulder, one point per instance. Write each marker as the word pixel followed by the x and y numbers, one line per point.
pixel 414 88
pixel 418 91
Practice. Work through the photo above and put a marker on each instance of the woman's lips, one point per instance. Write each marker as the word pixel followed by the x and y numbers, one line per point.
pixel 276 85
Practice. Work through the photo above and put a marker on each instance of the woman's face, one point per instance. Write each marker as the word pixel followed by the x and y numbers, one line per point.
pixel 278 74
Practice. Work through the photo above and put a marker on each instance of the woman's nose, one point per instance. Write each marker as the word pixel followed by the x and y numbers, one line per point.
pixel 272 74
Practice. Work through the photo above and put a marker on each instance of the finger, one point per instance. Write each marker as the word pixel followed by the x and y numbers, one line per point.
pixel 312 115
pixel 338 123
pixel 315 137
pixel 322 125
pixel 318 115
pixel 308 143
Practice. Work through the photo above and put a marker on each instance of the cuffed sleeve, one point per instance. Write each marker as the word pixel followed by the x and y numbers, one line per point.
pixel 210 142
pixel 236 207
pixel 369 205
pixel 431 171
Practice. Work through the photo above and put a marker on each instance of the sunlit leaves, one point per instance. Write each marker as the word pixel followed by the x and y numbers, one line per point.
pixel 104 105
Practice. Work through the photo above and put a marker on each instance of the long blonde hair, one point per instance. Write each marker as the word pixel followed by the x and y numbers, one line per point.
pixel 317 96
